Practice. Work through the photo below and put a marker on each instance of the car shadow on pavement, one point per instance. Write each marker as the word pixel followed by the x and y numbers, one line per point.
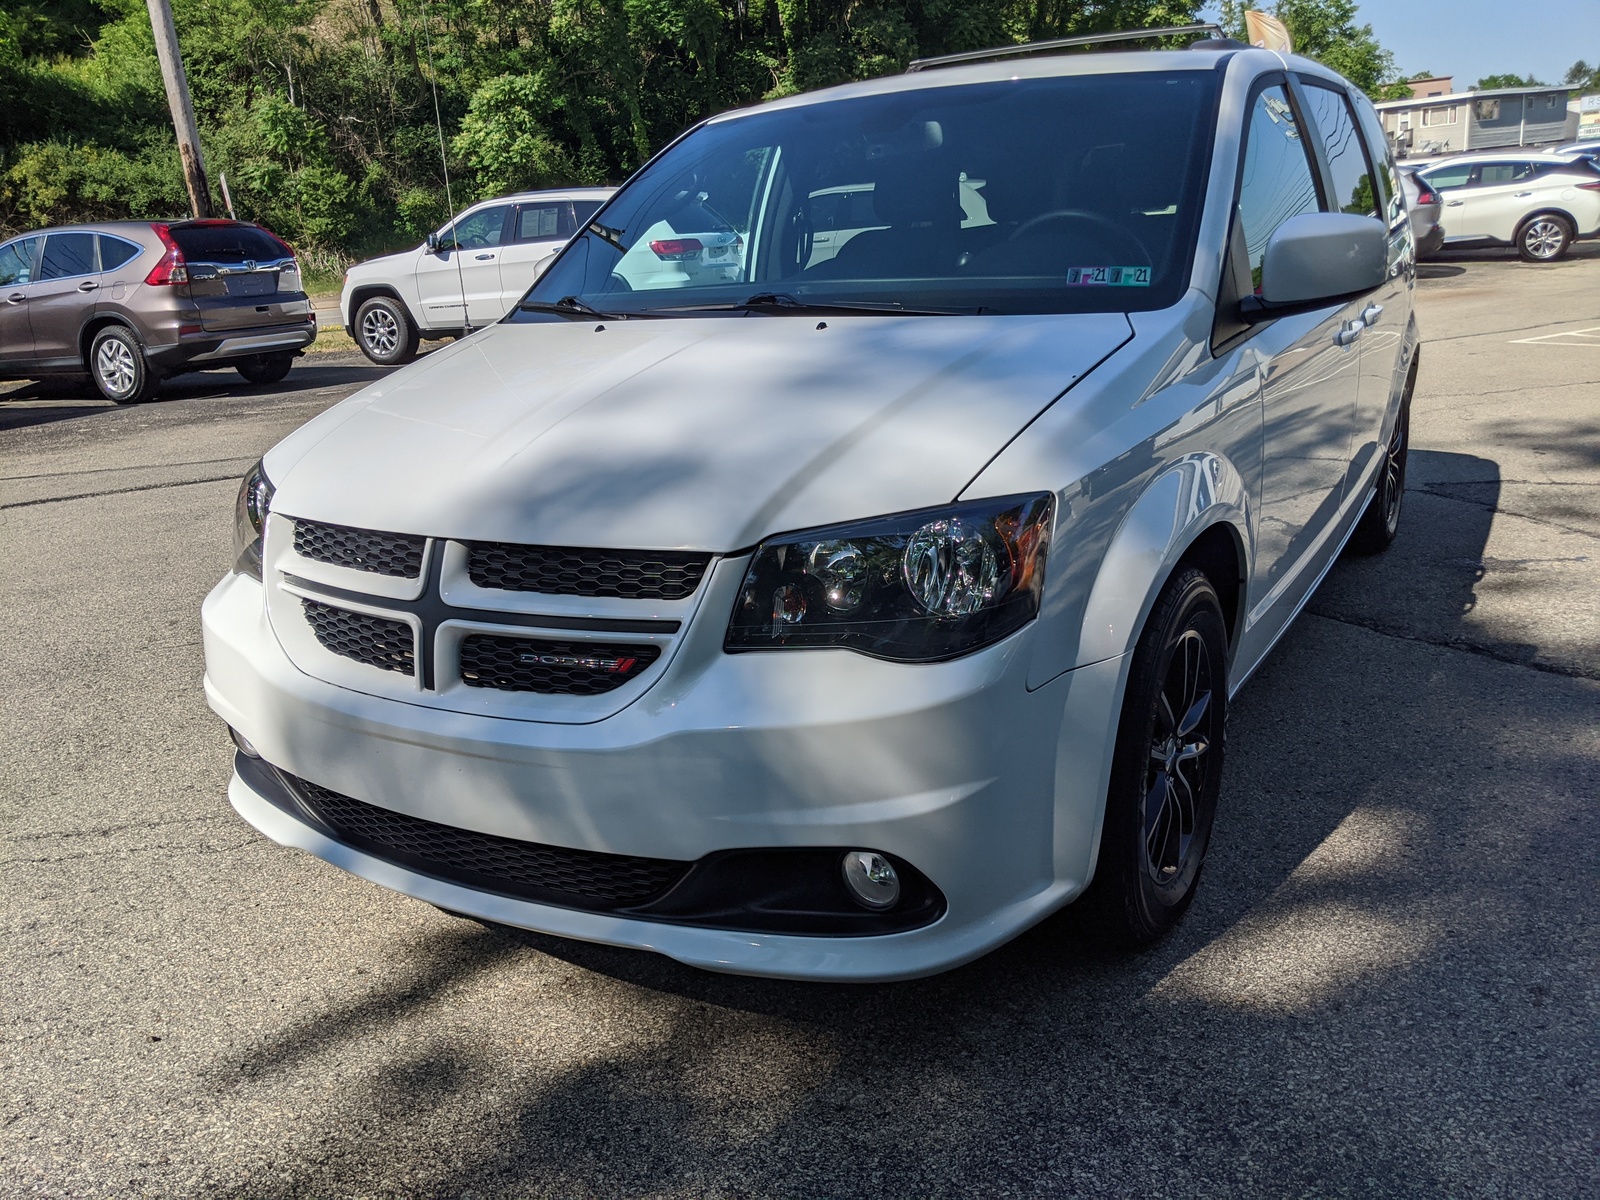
pixel 46 401
pixel 1300 1031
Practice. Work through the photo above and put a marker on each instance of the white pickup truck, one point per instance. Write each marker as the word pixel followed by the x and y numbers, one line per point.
pixel 468 273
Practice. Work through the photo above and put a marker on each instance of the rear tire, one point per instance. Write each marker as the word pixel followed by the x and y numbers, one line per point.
pixel 264 368
pixel 1381 521
pixel 1544 238
pixel 385 332
pixel 1166 770
pixel 119 368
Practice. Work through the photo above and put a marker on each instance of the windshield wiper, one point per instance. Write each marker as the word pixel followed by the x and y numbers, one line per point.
pixel 571 306
pixel 782 302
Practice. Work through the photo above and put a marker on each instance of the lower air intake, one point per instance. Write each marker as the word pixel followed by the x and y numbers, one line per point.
pixel 552 874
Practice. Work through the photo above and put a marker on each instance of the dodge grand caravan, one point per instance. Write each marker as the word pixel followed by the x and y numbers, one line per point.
pixel 841 614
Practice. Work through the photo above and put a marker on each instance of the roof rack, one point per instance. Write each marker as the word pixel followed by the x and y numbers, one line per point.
pixel 1094 39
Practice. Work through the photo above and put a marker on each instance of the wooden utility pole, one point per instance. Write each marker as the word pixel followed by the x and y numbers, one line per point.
pixel 194 167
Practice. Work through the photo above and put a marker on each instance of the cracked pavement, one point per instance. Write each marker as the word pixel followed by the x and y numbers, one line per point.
pixel 1386 985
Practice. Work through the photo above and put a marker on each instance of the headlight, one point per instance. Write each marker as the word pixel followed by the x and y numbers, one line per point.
pixel 919 587
pixel 249 519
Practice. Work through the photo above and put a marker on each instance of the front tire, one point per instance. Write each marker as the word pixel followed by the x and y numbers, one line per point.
pixel 1166 771
pixel 385 332
pixel 264 368
pixel 1544 238
pixel 119 368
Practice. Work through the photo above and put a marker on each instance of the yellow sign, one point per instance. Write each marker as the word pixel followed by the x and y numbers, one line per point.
pixel 1267 32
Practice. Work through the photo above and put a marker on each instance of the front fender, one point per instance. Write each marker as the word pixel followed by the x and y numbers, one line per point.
pixel 1196 492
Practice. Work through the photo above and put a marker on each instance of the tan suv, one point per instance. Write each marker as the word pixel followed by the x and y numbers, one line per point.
pixel 130 303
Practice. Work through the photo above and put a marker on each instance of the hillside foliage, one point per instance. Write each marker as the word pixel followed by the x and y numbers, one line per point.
pixel 322 112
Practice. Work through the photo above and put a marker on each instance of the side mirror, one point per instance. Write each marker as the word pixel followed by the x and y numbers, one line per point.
pixel 433 244
pixel 1318 259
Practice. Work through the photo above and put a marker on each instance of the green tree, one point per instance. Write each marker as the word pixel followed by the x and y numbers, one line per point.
pixel 1326 30
pixel 1583 77
pixel 1506 81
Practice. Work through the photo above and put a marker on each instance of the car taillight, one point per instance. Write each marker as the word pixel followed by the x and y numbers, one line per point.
pixel 676 249
pixel 1427 197
pixel 1591 187
pixel 170 268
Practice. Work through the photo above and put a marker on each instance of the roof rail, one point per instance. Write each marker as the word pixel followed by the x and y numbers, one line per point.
pixel 1093 39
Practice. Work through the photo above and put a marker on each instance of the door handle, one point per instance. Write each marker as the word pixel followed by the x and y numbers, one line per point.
pixel 16 297
pixel 1370 314
pixel 88 285
pixel 1348 334
pixel 1522 195
pixel 1455 203
pixel 483 257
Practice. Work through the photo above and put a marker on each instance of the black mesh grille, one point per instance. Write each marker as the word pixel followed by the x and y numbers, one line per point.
pixel 562 571
pixel 395 554
pixel 554 668
pixel 376 641
pixel 576 878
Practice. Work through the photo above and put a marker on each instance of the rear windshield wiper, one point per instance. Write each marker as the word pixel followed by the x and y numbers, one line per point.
pixel 782 302
pixel 571 306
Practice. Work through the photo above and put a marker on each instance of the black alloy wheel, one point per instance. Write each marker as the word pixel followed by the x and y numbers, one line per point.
pixel 264 368
pixel 1166 773
pixel 385 332
pixel 119 367
pixel 1381 521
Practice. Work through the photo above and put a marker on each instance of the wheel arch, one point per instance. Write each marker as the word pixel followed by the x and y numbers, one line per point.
pixel 361 293
pixel 1197 512
pixel 95 323
pixel 1547 211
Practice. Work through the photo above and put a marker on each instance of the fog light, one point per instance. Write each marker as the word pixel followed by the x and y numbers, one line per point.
pixel 871 879
pixel 243 743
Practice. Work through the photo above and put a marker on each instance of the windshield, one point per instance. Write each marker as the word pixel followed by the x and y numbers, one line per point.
pixel 1077 194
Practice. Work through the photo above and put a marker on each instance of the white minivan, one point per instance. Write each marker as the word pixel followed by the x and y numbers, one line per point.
pixel 466 275
pixel 839 616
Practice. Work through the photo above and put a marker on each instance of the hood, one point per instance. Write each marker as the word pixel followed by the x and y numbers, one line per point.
pixel 703 434
pixel 384 264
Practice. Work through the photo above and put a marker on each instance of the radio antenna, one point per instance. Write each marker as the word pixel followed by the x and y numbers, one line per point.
pixel 444 163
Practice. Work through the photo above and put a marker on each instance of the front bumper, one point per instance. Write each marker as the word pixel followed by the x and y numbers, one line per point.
pixel 992 791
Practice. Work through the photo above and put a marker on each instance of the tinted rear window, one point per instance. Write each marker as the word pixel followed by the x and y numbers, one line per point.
pixel 68 254
pixel 227 243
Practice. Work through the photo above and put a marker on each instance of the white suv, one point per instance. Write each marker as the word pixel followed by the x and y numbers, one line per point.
pixel 466 275
pixel 1539 203
pixel 840 613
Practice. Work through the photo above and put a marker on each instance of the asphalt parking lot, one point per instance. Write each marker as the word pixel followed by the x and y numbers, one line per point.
pixel 1387 985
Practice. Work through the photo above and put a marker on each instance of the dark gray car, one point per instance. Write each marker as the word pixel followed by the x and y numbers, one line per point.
pixel 1424 206
pixel 129 303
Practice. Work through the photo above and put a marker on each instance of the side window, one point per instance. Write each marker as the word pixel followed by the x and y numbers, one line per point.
pixel 583 210
pixel 1449 177
pixel 479 230
pixel 1492 173
pixel 539 222
pixel 16 262
pixel 1353 190
pixel 1378 150
pixel 1277 183
pixel 114 252
pixel 68 254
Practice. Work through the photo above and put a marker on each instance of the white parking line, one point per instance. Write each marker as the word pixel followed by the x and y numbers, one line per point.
pixel 1572 337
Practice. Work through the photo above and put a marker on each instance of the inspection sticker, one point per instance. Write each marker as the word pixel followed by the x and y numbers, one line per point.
pixel 1109 276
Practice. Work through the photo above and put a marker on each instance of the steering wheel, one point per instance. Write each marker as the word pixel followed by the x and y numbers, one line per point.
pixel 1104 224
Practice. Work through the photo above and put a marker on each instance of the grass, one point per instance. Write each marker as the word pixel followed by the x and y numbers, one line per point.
pixel 331 340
